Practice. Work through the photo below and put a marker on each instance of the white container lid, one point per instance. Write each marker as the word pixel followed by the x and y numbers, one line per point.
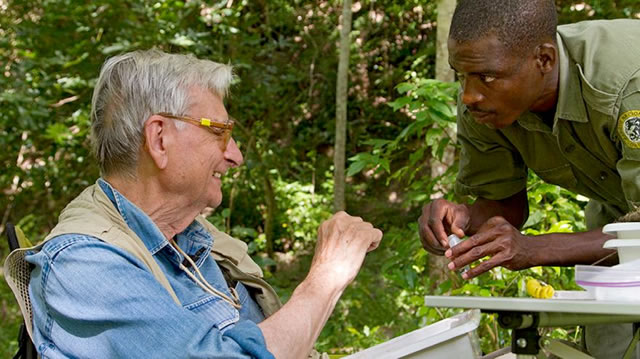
pixel 623 229
pixel 599 276
pixel 621 243
pixel 628 249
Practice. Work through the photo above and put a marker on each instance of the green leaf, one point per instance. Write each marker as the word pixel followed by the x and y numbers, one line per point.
pixel 442 145
pixel 58 132
pixel 433 134
pixel 399 103
pixel 117 47
pixel 356 167
pixel 183 41
pixel 405 87
pixel 442 108
pixel 384 163
pixel 423 115
pixel 377 142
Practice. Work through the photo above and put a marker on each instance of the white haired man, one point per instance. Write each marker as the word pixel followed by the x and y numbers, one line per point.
pixel 133 270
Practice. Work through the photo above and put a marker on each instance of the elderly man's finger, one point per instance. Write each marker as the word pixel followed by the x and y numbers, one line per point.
pixel 359 229
pixel 377 238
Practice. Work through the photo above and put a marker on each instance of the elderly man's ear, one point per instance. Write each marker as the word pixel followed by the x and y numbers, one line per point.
pixel 157 140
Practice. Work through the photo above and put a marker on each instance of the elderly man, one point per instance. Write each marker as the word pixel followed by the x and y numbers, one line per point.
pixel 563 101
pixel 133 270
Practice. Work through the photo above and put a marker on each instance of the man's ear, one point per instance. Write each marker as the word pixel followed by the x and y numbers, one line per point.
pixel 546 57
pixel 157 139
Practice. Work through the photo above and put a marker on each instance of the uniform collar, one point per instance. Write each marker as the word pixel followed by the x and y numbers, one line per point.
pixel 570 105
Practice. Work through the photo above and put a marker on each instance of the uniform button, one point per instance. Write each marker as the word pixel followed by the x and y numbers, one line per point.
pixel 603 175
pixel 570 148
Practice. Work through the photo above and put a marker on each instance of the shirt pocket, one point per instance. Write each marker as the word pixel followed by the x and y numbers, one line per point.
pixel 216 309
pixel 561 175
pixel 599 100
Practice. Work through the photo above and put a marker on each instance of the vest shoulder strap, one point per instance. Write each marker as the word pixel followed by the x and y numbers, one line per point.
pixel 93 214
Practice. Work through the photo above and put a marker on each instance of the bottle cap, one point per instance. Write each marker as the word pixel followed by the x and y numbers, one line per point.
pixel 453 240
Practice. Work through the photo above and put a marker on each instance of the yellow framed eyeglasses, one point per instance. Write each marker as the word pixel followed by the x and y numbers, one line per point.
pixel 219 128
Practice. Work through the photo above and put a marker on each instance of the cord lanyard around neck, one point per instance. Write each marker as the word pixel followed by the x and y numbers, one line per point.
pixel 202 282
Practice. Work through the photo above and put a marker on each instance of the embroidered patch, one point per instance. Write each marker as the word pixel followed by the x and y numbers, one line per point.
pixel 629 128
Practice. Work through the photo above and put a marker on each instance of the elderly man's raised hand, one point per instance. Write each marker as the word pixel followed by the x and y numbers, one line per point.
pixel 439 219
pixel 343 241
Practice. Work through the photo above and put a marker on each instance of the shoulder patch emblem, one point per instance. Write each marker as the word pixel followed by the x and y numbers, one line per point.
pixel 629 128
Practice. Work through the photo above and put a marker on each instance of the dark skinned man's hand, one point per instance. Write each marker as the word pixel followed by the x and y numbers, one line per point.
pixel 438 219
pixel 497 239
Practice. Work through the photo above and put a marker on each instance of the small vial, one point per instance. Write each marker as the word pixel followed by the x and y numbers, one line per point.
pixel 454 241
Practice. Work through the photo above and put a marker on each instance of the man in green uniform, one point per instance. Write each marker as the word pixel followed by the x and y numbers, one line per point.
pixel 563 101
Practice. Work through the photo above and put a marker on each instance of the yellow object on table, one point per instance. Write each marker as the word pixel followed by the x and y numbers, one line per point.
pixel 538 289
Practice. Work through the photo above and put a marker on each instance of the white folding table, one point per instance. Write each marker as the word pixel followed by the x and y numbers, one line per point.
pixel 524 315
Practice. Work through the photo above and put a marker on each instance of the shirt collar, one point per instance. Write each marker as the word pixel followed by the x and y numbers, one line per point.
pixel 144 227
pixel 570 103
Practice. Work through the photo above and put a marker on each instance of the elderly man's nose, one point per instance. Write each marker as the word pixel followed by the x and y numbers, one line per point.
pixel 232 153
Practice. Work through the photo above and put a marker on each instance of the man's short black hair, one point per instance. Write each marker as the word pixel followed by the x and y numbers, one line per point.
pixel 519 24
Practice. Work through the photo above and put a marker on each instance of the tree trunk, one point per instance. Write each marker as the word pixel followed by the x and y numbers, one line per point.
pixel 341 110
pixel 443 73
pixel 270 199
pixel 438 264
pixel 445 13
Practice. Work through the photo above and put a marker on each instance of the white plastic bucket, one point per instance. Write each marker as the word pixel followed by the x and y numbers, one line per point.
pixel 449 338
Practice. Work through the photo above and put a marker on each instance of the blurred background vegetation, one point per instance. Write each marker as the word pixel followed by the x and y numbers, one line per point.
pixel 401 126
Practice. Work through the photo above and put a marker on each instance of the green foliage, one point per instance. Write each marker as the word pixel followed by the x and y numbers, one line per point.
pixel 553 209
pixel 430 107
pixel 429 104
pixel 303 210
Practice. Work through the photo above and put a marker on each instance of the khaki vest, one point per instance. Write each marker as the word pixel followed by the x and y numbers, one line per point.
pixel 93 214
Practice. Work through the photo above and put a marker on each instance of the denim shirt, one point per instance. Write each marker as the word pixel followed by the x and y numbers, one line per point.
pixel 94 300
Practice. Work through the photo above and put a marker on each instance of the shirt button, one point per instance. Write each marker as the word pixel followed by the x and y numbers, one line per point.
pixel 603 175
pixel 569 148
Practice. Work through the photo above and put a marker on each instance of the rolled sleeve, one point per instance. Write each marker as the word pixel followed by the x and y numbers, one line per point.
pixel 92 299
pixel 490 167
pixel 249 336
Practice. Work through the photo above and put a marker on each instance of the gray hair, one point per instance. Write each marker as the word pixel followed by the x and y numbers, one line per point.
pixel 134 86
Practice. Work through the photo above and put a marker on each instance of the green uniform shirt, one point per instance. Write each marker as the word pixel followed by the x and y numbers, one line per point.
pixel 594 146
